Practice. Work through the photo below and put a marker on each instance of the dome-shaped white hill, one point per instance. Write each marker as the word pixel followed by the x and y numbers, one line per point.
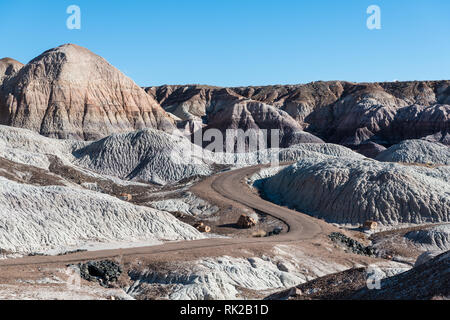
pixel 351 191
pixel 41 219
pixel 417 151
pixel 147 155
pixel 329 149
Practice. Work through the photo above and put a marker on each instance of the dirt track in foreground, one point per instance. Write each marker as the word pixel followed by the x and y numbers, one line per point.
pixel 230 188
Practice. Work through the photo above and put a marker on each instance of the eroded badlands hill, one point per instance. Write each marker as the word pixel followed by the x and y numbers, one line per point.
pixel 336 111
pixel 351 191
pixel 70 92
pixel 225 109
pixel 417 151
pixel 8 67
pixel 52 218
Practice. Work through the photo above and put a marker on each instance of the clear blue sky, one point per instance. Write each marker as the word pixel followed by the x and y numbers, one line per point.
pixel 241 42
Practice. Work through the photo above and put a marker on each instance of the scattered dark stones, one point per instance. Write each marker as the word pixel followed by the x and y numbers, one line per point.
pixel 104 272
pixel 71 252
pixel 353 245
pixel 37 254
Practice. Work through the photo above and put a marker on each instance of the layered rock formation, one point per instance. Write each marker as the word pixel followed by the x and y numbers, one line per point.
pixel 339 112
pixel 247 114
pixel 352 191
pixel 70 92
pixel 8 67
pixel 189 102
pixel 223 109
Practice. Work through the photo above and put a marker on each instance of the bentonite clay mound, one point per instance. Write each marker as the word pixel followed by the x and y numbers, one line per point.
pixel 417 151
pixel 70 92
pixel 352 191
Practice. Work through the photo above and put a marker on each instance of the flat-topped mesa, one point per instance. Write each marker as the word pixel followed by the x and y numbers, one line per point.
pixel 70 92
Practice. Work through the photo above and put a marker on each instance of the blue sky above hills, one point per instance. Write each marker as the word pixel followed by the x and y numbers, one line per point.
pixel 246 42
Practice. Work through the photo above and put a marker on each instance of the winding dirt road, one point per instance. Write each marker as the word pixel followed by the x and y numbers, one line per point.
pixel 229 184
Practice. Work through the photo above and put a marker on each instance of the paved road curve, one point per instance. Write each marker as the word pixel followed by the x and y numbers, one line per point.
pixel 231 185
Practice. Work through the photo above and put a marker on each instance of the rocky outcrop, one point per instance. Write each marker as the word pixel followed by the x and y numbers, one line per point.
pixel 70 92
pixel 427 280
pixel 249 114
pixel 192 101
pixel 246 222
pixel 336 111
pixel 417 151
pixel 105 272
pixel 351 244
pixel 351 191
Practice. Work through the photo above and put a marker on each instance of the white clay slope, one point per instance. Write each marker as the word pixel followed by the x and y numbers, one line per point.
pixel 417 151
pixel 147 155
pixel 155 156
pixel 42 219
pixel 434 239
pixel 351 191
pixel 30 148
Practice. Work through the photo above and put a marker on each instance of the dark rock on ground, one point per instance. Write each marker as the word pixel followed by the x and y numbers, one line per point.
pixel 104 272
pixel 353 245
